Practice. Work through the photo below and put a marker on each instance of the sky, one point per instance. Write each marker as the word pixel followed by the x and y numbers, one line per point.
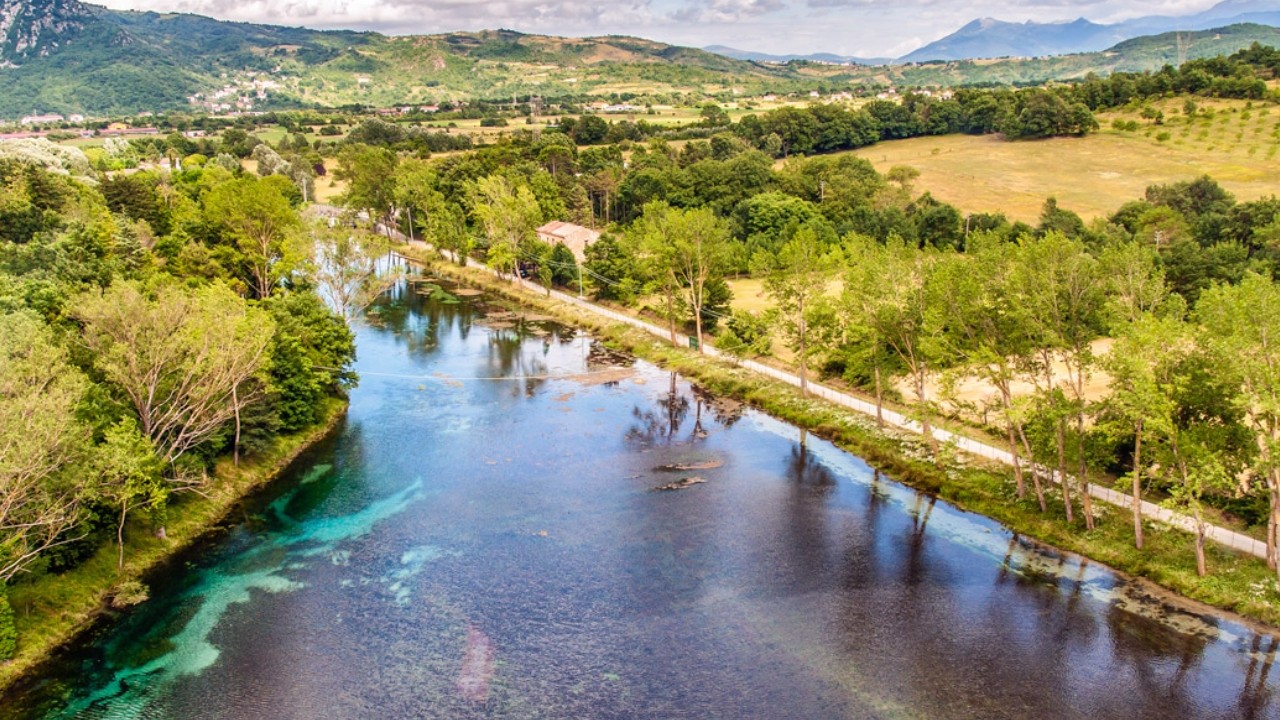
pixel 863 28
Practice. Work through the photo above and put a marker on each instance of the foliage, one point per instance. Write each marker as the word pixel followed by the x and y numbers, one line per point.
pixel 8 633
pixel 508 212
pixel 257 216
pixel 41 441
pixel 345 267
pixel 311 356
pixel 177 357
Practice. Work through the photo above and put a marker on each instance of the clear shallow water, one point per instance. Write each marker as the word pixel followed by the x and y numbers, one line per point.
pixel 471 547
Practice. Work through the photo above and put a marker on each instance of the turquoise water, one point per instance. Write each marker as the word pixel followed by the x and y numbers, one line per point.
pixel 484 538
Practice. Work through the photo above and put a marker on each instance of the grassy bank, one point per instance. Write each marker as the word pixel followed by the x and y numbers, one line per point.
pixel 1237 583
pixel 51 610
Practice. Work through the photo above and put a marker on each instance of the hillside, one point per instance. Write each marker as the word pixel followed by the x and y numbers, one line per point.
pixel 991 38
pixel 68 57
pixel 1226 139
pixel 1135 55
pixel 82 58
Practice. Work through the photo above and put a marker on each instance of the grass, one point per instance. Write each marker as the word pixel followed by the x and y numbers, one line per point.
pixel 1237 583
pixel 1096 174
pixel 51 610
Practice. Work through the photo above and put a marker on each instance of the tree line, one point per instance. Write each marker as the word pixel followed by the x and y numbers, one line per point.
pixel 872 283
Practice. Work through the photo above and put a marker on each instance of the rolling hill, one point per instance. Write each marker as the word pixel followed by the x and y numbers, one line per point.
pixel 66 56
pixel 991 38
pixel 69 57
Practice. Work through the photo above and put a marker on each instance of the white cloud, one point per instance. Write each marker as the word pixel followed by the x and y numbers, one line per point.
pixel 853 27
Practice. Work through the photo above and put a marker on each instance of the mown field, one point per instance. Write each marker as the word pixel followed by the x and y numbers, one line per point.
pixel 1233 143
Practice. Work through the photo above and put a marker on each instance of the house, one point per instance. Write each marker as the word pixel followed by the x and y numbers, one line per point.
pixel 41 119
pixel 574 237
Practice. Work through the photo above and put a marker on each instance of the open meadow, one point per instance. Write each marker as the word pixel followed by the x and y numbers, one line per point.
pixel 1094 175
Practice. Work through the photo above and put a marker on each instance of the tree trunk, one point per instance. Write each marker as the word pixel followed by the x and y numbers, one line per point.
pixel 1085 498
pixel 1035 469
pixel 1021 484
pixel 697 324
pixel 1137 486
pixel 1273 522
pixel 671 316
pixel 1007 398
pixel 235 403
pixel 879 399
pixel 925 427
pixel 1201 569
pixel 124 511
pixel 1062 468
pixel 804 353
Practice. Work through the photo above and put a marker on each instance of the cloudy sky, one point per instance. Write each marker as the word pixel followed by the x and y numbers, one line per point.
pixel 854 27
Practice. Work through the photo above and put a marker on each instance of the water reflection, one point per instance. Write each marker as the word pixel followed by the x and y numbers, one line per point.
pixel 486 539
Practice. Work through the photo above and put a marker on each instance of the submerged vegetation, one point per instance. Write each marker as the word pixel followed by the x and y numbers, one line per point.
pixel 173 310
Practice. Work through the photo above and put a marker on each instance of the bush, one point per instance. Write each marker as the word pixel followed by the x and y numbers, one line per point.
pixel 130 593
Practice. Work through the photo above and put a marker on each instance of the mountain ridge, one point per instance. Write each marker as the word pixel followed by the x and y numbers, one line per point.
pixel 68 57
pixel 989 38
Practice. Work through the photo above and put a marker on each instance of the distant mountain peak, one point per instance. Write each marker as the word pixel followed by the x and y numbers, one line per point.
pixel 989 37
pixel 36 28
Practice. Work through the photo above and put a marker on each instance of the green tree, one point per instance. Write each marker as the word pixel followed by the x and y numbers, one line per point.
pixel 345 267
pixel 990 330
pixel 889 299
pixel 797 278
pixel 129 475
pixel 1142 365
pixel 415 192
pixel 687 250
pixel 1243 324
pixel 258 217
pixel 509 213
pixel 612 269
pixel 1061 288
pixel 311 355
pixel 370 175
pixel 182 359
pixel 41 442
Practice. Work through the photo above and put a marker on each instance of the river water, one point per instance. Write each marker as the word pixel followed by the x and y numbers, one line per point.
pixel 484 538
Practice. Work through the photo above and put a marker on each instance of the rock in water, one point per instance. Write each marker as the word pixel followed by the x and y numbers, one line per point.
pixel 680 484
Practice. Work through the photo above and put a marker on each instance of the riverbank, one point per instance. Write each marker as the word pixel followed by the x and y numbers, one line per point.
pixel 1237 583
pixel 53 610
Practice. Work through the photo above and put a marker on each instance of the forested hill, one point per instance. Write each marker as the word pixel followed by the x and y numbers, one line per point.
pixel 69 57
pixel 1147 53
pixel 65 56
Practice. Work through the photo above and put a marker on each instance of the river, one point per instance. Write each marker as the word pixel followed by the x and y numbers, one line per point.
pixel 485 537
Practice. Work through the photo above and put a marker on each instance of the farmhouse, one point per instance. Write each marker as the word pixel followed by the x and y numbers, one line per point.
pixel 574 237
pixel 41 119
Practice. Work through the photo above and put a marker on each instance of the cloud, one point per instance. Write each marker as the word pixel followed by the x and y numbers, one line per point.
pixel 726 11
pixel 415 16
pixel 854 27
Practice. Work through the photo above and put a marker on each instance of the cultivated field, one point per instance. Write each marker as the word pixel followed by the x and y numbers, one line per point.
pixel 1097 174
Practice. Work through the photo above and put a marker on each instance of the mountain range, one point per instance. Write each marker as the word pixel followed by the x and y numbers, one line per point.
pixel 813 57
pixel 991 38
pixel 67 57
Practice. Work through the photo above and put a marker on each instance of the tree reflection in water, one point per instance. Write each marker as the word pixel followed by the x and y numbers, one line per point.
pixel 663 423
